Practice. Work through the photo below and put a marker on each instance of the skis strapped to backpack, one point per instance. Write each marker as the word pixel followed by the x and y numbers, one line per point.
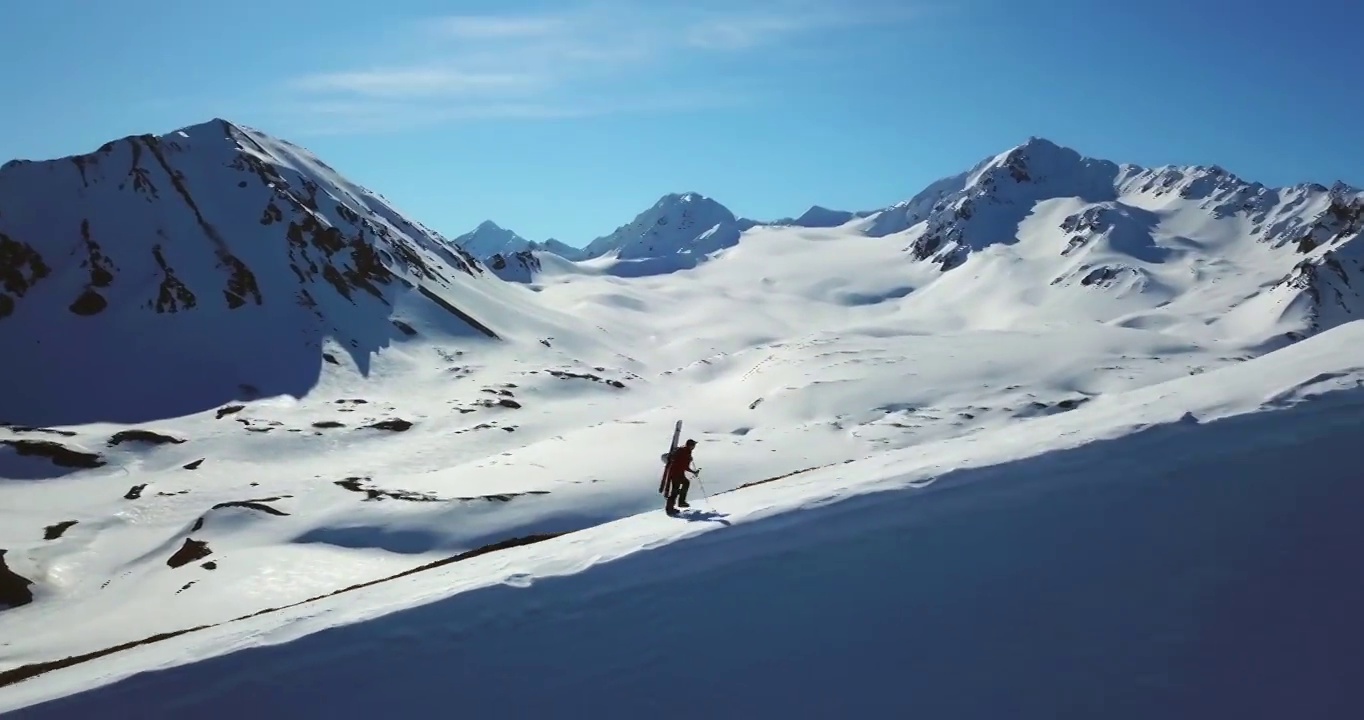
pixel 667 459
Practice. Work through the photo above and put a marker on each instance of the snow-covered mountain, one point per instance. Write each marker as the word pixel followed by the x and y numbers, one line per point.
pixel 1047 365
pixel 1193 243
pixel 1049 217
pixel 676 233
pixel 821 217
pixel 162 275
pixel 489 239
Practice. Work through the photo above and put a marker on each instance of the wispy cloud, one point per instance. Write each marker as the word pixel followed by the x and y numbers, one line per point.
pixel 497 27
pixel 424 81
pixel 605 57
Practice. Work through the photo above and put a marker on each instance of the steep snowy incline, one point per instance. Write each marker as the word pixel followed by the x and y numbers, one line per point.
pixel 276 359
pixel 1061 566
pixel 165 275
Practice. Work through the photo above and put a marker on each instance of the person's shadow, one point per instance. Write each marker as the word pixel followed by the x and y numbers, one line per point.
pixel 704 516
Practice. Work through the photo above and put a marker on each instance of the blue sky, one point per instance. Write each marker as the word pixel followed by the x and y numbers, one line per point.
pixel 567 118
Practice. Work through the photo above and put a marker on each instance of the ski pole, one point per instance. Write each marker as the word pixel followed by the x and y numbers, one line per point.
pixel 704 494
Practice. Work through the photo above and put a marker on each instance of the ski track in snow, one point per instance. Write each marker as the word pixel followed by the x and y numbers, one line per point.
pixel 1002 395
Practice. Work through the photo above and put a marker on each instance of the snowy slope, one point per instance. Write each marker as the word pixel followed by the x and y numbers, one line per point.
pixel 1060 567
pixel 841 348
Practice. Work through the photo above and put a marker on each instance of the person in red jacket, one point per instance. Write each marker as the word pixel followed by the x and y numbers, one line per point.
pixel 679 464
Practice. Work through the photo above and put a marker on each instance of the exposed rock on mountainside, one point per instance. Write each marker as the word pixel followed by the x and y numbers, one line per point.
pixel 515 267
pixel 1119 226
pixel 14 590
pixel 233 256
pixel 59 454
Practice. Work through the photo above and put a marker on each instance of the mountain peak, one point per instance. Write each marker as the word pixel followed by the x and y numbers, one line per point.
pixel 489 239
pixel 686 198
pixel 240 232
pixel 819 216
pixel 212 125
pixel 1039 143
pixel 679 225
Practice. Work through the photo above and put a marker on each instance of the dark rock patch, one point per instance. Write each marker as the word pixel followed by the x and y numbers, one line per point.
pixel 404 328
pixel 503 497
pixel 458 313
pixel 194 465
pixel 52 532
pixel 490 403
pixel 135 492
pixel 189 552
pixel 59 454
pixel 355 484
pixel 328 357
pixel 173 295
pixel 210 565
pixel 776 478
pixel 14 590
pixel 565 375
pixel 89 303
pixel 49 431
pixel 229 409
pixel 480 426
pixel 394 425
pixel 143 436
pixel 258 505
pixel 324 424
pixel 1041 408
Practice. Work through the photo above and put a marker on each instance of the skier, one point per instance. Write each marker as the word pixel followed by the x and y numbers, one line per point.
pixel 679 464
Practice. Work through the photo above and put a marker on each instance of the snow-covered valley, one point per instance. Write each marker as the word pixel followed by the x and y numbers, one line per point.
pixel 235 381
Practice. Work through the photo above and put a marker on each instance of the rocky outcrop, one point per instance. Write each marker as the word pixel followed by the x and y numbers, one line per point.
pixel 59 454
pixel 218 222
pixel 14 588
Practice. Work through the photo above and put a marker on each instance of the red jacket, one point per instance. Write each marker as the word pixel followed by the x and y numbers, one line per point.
pixel 680 462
